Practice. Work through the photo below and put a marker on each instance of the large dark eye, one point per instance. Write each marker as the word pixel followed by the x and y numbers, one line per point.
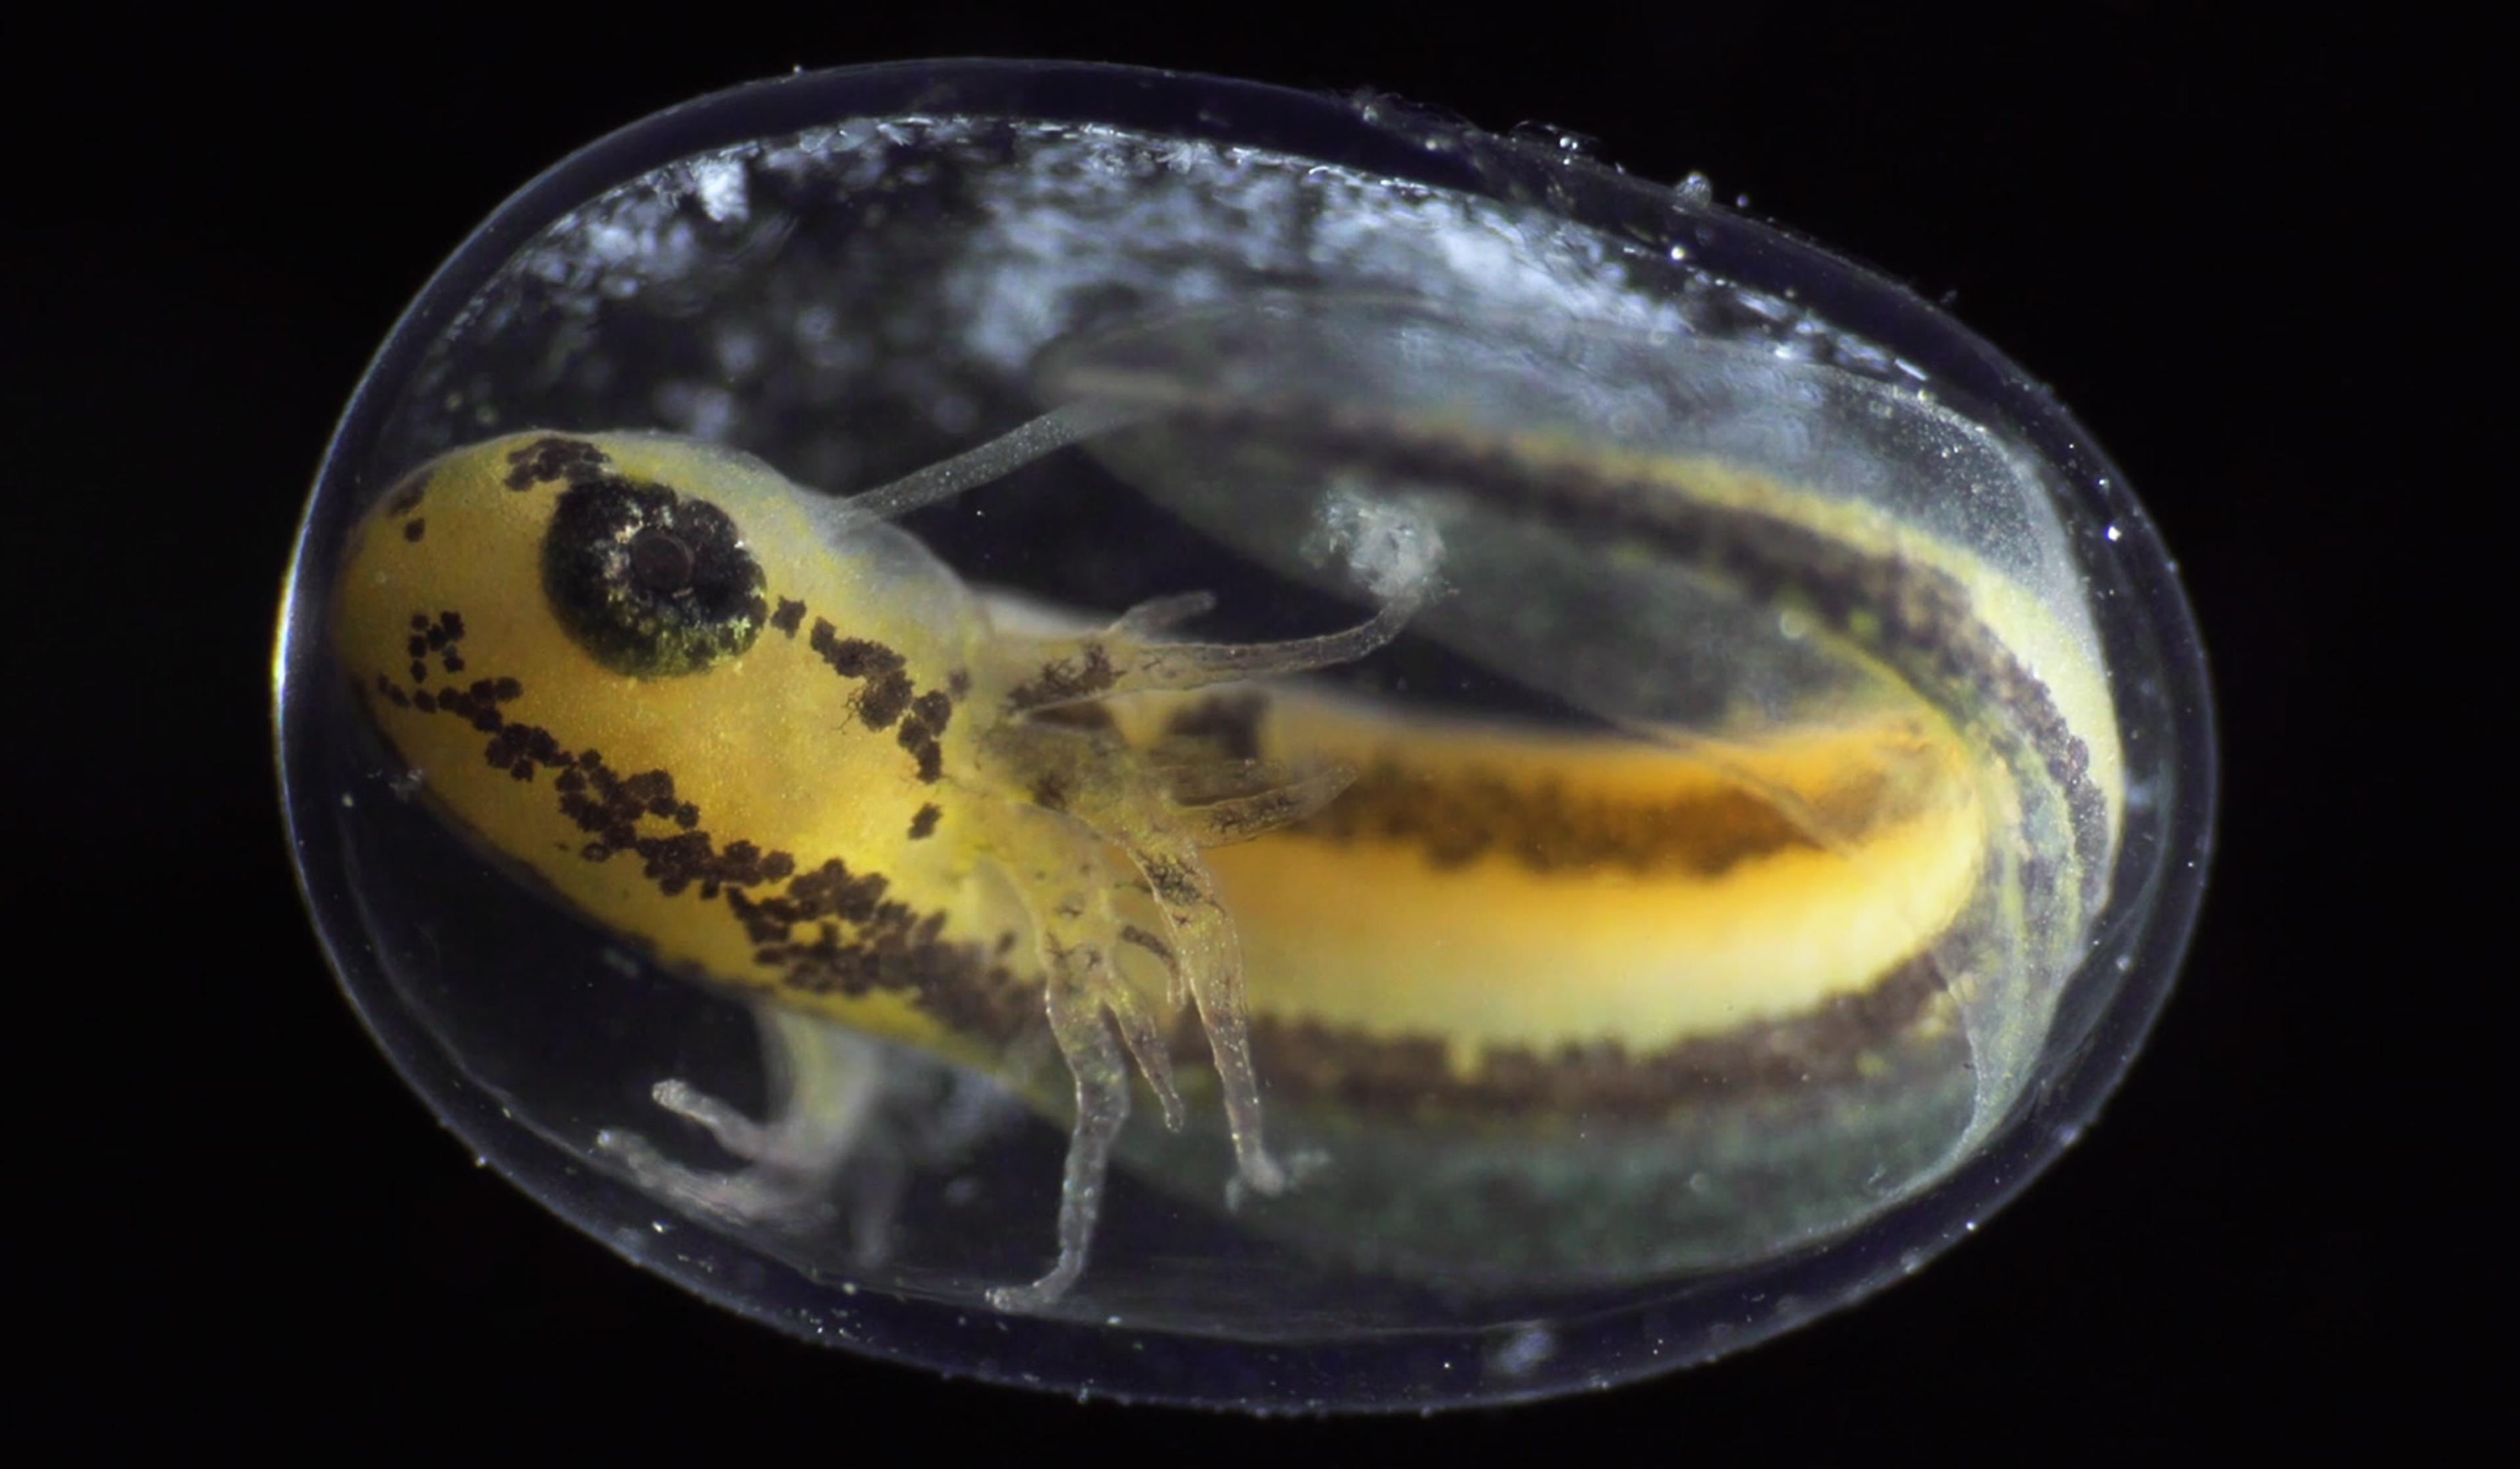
pixel 651 582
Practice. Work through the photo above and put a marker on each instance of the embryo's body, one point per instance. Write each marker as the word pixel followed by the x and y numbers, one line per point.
pixel 791 755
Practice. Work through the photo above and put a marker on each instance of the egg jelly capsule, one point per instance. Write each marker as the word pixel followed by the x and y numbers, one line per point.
pixel 1141 735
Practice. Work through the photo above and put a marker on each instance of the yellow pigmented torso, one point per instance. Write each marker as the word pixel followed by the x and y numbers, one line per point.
pixel 1415 907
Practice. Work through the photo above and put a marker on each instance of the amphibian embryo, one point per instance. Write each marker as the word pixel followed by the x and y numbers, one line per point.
pixel 1524 806
pixel 773 740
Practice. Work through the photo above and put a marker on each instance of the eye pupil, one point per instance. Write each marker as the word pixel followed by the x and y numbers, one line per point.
pixel 659 562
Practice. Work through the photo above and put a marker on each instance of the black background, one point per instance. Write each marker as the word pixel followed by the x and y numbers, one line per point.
pixel 2218 239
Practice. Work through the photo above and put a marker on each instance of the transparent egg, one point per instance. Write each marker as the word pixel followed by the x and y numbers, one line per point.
pixel 1150 736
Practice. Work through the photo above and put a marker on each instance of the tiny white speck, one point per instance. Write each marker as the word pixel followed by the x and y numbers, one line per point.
pixel 1392 548
pixel 1526 1349
pixel 2113 533
pixel 721 186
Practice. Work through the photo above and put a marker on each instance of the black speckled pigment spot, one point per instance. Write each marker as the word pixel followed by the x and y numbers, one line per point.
pixel 554 457
pixel 889 695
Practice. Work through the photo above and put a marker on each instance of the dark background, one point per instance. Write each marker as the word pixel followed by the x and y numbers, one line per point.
pixel 2218 239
